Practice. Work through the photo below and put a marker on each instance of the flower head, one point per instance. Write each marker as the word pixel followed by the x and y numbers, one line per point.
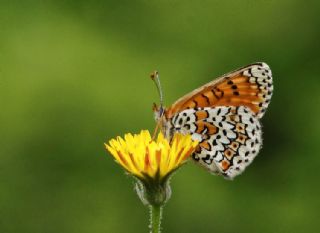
pixel 151 161
pixel 148 159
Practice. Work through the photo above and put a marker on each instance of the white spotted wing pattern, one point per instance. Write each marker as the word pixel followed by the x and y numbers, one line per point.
pixel 233 143
pixel 223 116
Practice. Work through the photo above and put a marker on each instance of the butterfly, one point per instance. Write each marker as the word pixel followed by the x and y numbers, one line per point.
pixel 224 116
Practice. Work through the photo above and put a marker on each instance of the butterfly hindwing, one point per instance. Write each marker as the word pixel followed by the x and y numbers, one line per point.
pixel 230 137
pixel 250 86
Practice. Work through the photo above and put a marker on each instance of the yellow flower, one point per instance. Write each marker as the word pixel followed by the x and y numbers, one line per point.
pixel 151 160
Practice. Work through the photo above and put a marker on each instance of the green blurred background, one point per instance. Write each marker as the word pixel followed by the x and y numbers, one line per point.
pixel 74 74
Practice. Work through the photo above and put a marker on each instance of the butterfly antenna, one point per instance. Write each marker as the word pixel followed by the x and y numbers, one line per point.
pixel 156 78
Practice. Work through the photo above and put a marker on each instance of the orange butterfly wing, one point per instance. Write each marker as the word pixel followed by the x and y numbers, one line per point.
pixel 250 86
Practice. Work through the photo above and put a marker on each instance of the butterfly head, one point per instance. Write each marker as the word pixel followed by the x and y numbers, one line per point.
pixel 162 122
pixel 158 112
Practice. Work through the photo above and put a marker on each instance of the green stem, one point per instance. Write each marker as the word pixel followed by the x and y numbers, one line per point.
pixel 155 218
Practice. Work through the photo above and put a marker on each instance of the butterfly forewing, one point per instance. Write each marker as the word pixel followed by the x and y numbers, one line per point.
pixel 250 86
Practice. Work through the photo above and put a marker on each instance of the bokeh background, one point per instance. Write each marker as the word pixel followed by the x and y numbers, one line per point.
pixel 74 74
